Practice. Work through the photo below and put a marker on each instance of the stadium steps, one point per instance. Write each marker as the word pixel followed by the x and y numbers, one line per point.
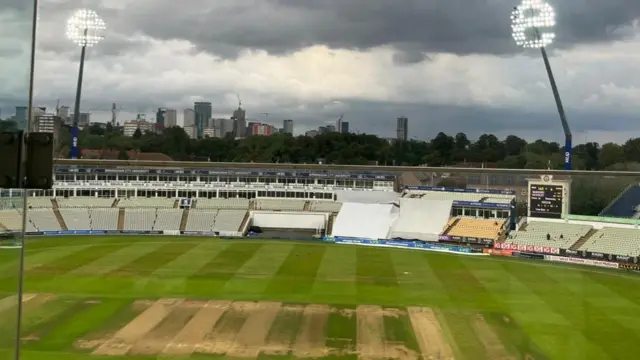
pixel 307 206
pixel 115 202
pixel 252 204
pixel 523 227
pixel 121 219
pixel 2 227
pixel 329 230
pixel 453 224
pixel 245 220
pixel 176 204
pixel 185 218
pixel 63 225
pixel 54 203
pixel 583 240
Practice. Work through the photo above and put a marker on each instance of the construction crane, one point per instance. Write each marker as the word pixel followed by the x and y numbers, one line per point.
pixel 58 108
pixel 239 101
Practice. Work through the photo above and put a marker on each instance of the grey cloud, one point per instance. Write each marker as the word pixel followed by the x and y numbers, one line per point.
pixel 452 26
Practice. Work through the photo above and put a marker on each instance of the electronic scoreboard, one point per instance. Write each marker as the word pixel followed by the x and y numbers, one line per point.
pixel 548 199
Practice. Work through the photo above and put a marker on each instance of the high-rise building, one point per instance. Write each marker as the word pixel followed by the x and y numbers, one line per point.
pixel 203 114
pixel 287 126
pixel 240 123
pixel 189 118
pixel 85 119
pixel 261 129
pixel 130 127
pixel 160 115
pixel 51 124
pixel 170 118
pixel 64 112
pixel 331 128
pixel 402 128
pixel 344 127
pixel 21 117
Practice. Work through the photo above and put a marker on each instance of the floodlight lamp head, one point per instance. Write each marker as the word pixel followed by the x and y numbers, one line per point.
pixel 85 28
pixel 532 24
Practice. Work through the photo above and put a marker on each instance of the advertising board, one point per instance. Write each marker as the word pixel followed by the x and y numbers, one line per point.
pixel 527 248
pixel 581 261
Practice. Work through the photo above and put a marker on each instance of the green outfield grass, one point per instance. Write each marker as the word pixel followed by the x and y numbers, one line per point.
pixel 307 301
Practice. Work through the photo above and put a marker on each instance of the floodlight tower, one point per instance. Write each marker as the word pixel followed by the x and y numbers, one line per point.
pixel 84 28
pixel 532 25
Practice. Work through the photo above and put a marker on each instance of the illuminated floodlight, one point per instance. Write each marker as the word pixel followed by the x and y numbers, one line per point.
pixel 85 28
pixel 532 24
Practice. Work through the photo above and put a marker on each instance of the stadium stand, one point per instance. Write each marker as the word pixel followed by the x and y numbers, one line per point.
pixel 39 202
pixel 326 206
pixel 201 220
pixel 618 241
pixel 626 205
pixel 421 219
pixel 461 196
pixel 228 220
pixel 222 204
pixel 84 202
pixel 139 219
pixel 167 219
pixel 478 228
pixel 104 218
pixel 368 221
pixel 137 202
pixel 562 235
pixel 76 218
pixel 12 220
pixel 279 204
pixel 44 219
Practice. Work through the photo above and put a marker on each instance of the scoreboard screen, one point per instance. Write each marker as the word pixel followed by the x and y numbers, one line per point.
pixel 545 201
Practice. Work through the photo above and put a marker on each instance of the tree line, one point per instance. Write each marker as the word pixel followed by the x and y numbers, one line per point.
pixel 511 152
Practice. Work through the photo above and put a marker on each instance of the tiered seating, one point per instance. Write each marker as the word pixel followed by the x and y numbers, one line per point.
pixel 44 219
pixel 103 218
pixel 449 223
pixel 480 228
pixel 280 204
pixel 460 196
pixel 326 206
pixel 11 203
pixel 146 203
pixel 536 234
pixel 39 202
pixel 218 203
pixel 228 220
pixel 84 202
pixel 625 205
pixel 12 220
pixel 618 241
pixel 201 220
pixel 76 219
pixel 139 219
pixel 168 219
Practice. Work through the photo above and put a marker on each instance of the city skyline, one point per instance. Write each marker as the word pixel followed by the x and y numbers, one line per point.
pixel 314 62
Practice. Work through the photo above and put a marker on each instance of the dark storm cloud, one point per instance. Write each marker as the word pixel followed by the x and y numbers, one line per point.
pixel 422 26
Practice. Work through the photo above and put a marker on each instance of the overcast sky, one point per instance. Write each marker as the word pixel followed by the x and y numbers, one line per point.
pixel 448 65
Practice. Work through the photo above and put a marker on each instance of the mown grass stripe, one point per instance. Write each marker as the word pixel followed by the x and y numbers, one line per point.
pixel 43 329
pixel 124 255
pixel 225 264
pixel 73 260
pixel 601 332
pixel 253 277
pixel 33 260
pixel 78 324
pixel 298 271
pixel 149 262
